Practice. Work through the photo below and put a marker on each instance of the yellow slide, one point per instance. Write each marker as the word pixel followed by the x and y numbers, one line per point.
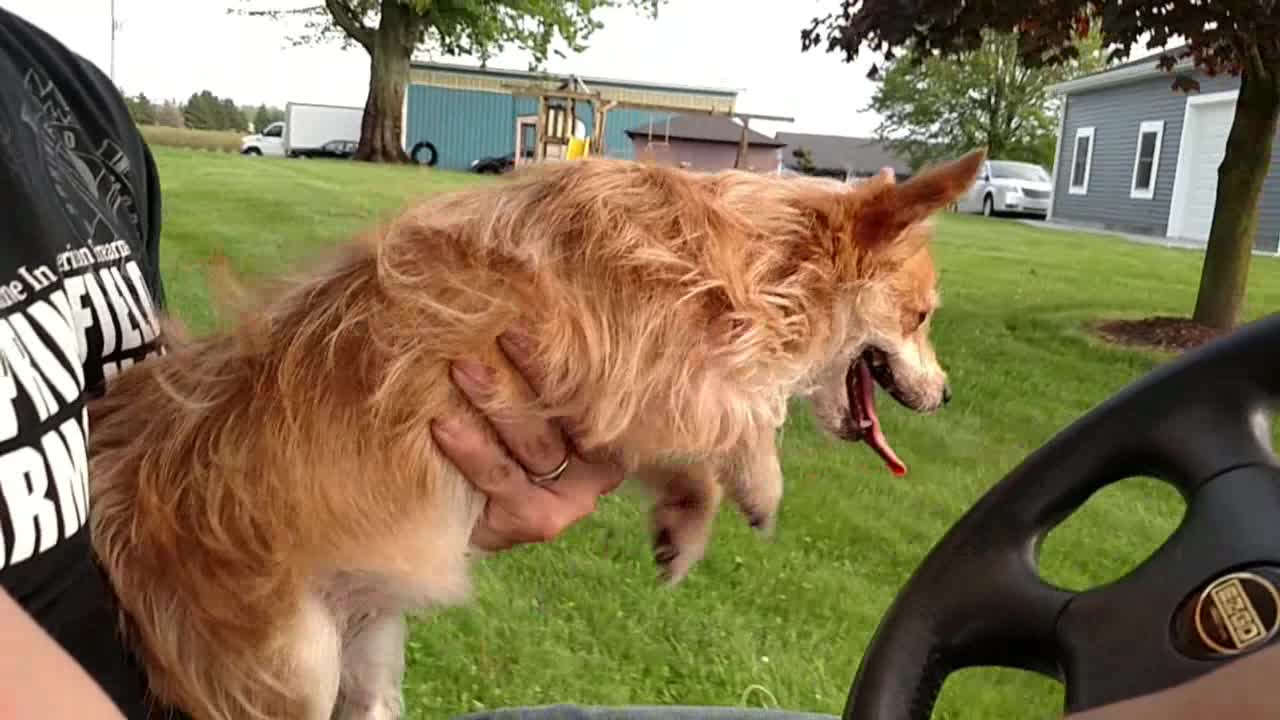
pixel 578 148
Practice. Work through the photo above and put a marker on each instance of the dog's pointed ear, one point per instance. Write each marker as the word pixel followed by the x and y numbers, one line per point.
pixel 937 187
pixel 895 206
pixel 877 224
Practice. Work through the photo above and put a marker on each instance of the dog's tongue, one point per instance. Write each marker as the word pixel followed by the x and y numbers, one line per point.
pixel 862 400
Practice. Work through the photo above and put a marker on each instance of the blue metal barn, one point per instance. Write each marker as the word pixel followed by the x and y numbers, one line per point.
pixel 469 113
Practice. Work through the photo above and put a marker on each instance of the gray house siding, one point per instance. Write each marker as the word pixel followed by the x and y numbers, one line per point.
pixel 1116 113
pixel 1268 239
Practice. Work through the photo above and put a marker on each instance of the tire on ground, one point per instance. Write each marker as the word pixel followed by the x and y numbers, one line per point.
pixel 417 151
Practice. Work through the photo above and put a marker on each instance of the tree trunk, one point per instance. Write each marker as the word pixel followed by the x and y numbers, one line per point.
pixel 1235 214
pixel 381 127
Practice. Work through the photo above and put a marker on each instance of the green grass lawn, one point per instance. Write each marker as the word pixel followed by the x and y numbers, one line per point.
pixel 759 624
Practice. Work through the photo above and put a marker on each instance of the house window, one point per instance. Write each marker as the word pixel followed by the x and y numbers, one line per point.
pixel 1146 162
pixel 1081 161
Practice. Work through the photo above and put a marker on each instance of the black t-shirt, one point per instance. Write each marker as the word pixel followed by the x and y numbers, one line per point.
pixel 79 297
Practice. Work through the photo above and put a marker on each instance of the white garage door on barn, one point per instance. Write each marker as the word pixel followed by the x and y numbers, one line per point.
pixel 1204 141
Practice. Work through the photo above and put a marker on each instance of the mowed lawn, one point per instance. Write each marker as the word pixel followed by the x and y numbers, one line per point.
pixel 758 624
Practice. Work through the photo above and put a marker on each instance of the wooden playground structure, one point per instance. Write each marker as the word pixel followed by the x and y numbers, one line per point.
pixel 559 111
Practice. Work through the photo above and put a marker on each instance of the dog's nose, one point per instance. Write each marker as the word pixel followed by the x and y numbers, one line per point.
pixel 946 394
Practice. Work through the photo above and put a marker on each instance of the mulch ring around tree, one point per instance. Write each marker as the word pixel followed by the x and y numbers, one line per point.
pixel 1171 334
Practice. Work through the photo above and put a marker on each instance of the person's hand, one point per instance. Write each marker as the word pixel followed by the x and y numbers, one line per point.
pixel 1242 690
pixel 537 483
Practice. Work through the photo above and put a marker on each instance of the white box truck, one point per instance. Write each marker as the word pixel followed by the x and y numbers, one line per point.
pixel 309 127
pixel 308 130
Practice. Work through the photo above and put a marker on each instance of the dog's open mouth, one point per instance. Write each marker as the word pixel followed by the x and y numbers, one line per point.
pixel 871 368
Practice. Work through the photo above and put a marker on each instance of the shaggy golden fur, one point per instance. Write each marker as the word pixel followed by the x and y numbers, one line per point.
pixel 265 496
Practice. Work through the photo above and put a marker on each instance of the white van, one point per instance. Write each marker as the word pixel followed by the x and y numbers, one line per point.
pixel 268 142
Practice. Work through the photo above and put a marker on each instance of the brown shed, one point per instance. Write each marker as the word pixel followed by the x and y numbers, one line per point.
pixel 703 142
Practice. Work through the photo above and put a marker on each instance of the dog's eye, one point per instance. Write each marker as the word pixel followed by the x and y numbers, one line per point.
pixel 913 319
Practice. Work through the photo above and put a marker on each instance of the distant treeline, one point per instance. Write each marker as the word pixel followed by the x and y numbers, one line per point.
pixel 202 111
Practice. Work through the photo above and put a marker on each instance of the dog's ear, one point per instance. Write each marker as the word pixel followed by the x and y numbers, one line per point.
pixel 878 224
pixel 891 208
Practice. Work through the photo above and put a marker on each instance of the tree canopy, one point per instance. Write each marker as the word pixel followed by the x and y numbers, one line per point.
pixel 937 108
pixel 264 116
pixel 475 28
pixel 1223 36
pixel 206 111
pixel 141 109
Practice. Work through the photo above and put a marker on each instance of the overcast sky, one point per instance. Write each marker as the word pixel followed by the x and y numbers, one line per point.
pixel 171 48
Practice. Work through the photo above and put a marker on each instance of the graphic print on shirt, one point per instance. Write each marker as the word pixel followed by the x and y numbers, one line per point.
pixel 70 320
pixel 91 179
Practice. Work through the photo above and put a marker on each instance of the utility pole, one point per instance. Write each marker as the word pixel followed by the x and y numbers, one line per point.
pixel 113 42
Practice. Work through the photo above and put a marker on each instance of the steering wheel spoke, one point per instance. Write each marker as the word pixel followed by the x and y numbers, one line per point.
pixel 1221 429
pixel 1157 627
pixel 981 607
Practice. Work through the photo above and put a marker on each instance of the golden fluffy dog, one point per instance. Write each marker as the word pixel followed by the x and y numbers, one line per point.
pixel 268 502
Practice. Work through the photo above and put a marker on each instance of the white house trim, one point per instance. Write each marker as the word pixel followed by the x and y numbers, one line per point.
pixel 1186 145
pixel 521 121
pixel 404 117
pixel 1057 157
pixel 1149 126
pixel 1088 162
pixel 1147 67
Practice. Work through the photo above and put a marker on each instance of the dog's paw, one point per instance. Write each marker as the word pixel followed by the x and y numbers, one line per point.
pixel 758 502
pixel 754 483
pixel 686 504
pixel 763 522
pixel 675 559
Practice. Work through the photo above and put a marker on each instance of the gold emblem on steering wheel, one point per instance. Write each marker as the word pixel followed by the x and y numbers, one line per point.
pixel 1237 612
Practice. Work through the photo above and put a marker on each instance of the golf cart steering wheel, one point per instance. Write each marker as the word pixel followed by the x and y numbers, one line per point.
pixel 1207 596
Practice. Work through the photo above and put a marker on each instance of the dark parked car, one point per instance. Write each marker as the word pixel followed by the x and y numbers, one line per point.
pixel 495 165
pixel 338 149
pixel 341 149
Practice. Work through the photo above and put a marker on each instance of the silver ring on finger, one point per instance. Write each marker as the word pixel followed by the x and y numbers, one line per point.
pixel 554 475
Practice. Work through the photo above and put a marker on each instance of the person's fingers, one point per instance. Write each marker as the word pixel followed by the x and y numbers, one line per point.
pixel 550 510
pixel 518 511
pixel 518 347
pixel 482 459
pixel 494 473
pixel 583 482
pixel 489 540
pixel 537 444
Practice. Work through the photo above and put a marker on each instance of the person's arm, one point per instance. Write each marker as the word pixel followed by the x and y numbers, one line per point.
pixel 1245 689
pixel 38 679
